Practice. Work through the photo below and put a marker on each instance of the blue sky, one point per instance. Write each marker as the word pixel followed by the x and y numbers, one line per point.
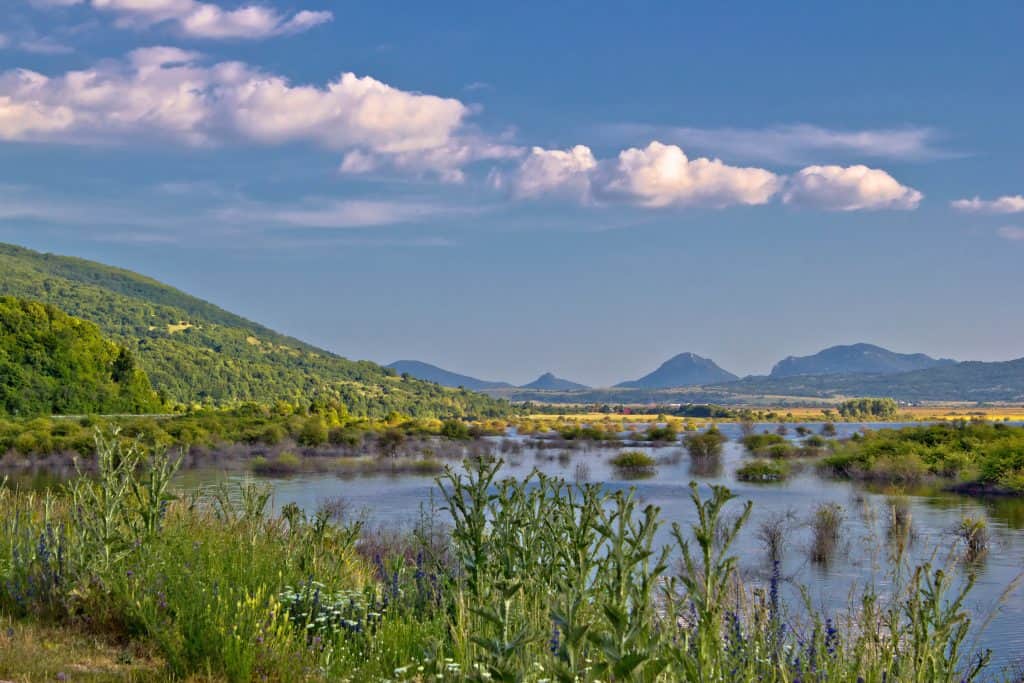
pixel 588 188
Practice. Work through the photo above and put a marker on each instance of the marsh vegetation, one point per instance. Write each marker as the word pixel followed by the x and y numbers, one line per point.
pixel 509 579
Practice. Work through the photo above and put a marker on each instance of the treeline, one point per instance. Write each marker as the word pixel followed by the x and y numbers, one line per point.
pixel 53 363
pixel 868 408
pixel 320 425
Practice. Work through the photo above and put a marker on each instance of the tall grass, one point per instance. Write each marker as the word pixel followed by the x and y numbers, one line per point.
pixel 530 580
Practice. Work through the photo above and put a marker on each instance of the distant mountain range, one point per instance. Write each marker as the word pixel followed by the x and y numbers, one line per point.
pixel 835 372
pixel 967 381
pixel 684 370
pixel 855 359
pixel 432 373
pixel 548 382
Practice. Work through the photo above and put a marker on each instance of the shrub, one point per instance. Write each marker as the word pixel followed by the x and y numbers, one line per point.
pixel 666 433
pixel 758 442
pixel 704 444
pixel 825 526
pixel 631 460
pixel 314 432
pixel 455 429
pixel 763 470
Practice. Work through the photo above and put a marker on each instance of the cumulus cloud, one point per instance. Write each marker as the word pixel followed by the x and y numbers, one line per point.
pixel 662 175
pixel 203 19
pixel 1006 204
pixel 552 171
pixel 170 93
pixel 1012 233
pixel 658 175
pixel 849 188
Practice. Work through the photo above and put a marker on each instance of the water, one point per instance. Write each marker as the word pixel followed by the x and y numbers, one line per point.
pixel 864 549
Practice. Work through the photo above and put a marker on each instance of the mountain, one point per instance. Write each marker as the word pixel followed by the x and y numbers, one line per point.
pixel 855 359
pixel 432 373
pixel 52 363
pixel 686 369
pixel 548 382
pixel 195 352
pixel 967 381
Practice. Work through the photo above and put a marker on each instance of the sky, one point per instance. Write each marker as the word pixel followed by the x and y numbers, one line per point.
pixel 506 189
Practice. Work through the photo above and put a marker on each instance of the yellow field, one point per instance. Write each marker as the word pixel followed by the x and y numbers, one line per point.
pixel 792 414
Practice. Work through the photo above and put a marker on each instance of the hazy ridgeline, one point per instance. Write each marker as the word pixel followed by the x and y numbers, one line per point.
pixel 509 580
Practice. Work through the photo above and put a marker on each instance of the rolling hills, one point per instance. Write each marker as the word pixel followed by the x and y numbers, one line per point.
pixel 196 352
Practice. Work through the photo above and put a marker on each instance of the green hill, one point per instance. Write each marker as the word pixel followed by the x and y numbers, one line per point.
pixel 195 352
pixel 52 363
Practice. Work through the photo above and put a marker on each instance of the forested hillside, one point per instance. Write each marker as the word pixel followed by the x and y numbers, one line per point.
pixel 195 352
pixel 52 363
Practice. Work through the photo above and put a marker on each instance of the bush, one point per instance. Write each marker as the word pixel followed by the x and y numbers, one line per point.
pixel 455 429
pixel 666 433
pixel 759 442
pixel 313 433
pixel 704 444
pixel 763 470
pixel 633 460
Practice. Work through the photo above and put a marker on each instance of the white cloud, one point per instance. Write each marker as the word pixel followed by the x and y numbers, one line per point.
pixel 1012 233
pixel 658 175
pixel 205 20
pixel 850 188
pixel 1006 204
pixel 792 144
pixel 662 175
pixel 167 92
pixel 552 171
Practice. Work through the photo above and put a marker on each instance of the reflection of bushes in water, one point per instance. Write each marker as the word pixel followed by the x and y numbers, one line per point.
pixel 284 464
pixel 510 446
pixel 672 458
pixel 710 466
pixel 581 473
pixel 826 524
pixel 772 533
pixel 972 533
pixel 900 524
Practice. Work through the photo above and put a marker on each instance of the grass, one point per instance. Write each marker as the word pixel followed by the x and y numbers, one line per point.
pixel 32 651
pixel 510 580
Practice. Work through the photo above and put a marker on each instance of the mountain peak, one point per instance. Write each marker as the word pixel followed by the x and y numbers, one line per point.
pixel 549 382
pixel 684 369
